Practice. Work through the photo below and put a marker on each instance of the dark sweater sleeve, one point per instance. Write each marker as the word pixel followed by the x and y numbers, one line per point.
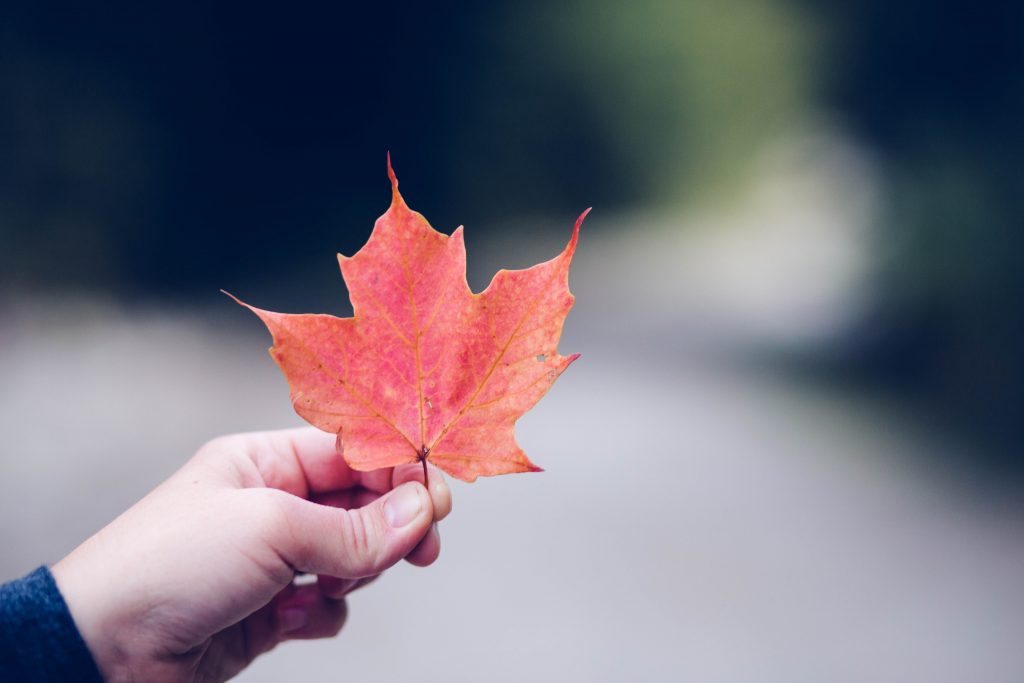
pixel 38 638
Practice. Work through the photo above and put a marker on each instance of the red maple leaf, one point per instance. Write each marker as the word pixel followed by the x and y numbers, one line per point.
pixel 425 368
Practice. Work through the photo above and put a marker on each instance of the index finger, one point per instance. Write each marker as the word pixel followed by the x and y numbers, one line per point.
pixel 303 461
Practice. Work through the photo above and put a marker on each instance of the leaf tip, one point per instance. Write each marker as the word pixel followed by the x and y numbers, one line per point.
pixel 260 313
pixel 234 298
pixel 396 196
pixel 579 221
pixel 576 230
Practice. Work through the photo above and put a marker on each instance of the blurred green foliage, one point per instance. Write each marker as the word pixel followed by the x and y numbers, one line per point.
pixel 686 93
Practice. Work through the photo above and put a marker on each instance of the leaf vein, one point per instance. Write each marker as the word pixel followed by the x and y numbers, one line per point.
pixel 355 394
pixel 494 365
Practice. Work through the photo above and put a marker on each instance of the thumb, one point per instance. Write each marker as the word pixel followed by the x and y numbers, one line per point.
pixel 352 544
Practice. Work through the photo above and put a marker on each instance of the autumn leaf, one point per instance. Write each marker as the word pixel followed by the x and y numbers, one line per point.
pixel 426 369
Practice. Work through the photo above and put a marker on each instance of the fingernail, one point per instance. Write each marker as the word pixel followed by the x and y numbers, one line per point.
pixel 293 618
pixel 403 506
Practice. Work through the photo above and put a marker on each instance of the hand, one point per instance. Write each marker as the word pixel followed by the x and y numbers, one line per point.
pixel 195 580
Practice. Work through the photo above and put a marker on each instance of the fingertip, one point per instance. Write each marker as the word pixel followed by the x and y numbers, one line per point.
pixel 440 494
pixel 427 550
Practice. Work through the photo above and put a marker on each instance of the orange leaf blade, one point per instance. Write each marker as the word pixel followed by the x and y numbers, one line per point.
pixel 426 368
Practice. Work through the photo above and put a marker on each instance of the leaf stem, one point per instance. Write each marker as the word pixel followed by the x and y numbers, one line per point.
pixel 423 459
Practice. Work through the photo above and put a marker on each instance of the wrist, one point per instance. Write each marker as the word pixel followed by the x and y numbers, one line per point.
pixel 119 615
pixel 93 610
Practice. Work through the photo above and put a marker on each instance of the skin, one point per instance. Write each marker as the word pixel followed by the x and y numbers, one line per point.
pixel 196 580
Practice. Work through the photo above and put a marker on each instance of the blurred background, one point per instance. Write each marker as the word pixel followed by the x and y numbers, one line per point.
pixel 792 449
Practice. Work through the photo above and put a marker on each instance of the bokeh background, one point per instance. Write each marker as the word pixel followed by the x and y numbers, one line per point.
pixel 792 449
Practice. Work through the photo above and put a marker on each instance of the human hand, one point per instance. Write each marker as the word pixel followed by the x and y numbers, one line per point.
pixel 196 580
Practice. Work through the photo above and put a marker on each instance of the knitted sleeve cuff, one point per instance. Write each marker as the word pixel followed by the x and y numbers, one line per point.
pixel 38 637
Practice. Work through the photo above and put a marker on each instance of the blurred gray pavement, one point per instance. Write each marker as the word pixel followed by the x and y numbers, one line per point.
pixel 695 521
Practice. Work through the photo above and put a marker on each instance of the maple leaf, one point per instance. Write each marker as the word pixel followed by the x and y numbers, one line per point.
pixel 425 368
